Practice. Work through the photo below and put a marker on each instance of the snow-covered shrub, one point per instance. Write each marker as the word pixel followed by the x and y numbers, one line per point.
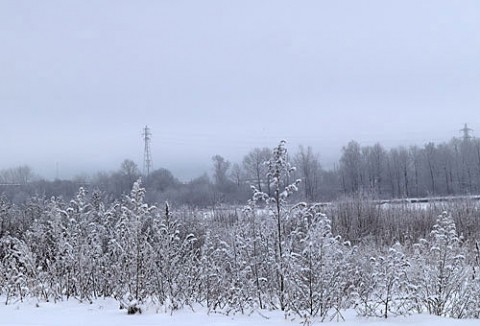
pixel 17 267
pixel 386 289
pixel 279 171
pixel 173 262
pixel 316 265
pixel 439 269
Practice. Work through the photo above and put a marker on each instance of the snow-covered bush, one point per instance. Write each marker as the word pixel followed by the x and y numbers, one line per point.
pixel 386 289
pixel 17 268
pixel 316 266
pixel 439 269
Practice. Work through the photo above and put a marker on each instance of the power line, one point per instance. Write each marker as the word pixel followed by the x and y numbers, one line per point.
pixel 466 132
pixel 147 156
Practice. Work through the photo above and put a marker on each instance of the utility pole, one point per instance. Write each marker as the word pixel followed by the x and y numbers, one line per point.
pixel 147 157
pixel 466 132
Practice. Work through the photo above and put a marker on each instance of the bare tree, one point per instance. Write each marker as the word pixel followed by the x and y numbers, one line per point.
pixel 375 159
pixel 129 170
pixel 430 157
pixel 404 163
pixel 237 174
pixel 220 170
pixel 350 166
pixel 310 172
pixel 416 158
pixel 255 168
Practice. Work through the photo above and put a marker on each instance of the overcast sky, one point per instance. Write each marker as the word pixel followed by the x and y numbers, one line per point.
pixel 80 79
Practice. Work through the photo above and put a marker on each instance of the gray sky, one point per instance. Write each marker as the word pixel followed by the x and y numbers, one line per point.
pixel 80 79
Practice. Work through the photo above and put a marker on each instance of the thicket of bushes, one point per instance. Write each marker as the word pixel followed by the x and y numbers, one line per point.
pixel 381 261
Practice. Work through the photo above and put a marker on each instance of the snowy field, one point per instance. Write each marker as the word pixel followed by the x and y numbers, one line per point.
pixel 106 312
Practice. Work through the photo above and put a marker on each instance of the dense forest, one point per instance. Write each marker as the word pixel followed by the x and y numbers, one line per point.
pixel 308 260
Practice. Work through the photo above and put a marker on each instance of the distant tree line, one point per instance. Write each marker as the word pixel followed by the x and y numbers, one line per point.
pixel 445 169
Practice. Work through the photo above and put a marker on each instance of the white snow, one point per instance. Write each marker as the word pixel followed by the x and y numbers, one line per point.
pixel 106 312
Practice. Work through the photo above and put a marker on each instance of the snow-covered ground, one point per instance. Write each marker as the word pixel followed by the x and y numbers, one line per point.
pixel 106 312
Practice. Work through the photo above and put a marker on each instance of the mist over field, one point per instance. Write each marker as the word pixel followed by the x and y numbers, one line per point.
pixel 80 80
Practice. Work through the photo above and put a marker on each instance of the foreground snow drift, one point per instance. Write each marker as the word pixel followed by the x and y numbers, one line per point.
pixel 106 312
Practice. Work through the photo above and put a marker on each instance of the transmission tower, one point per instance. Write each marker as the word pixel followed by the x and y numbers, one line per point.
pixel 147 157
pixel 466 132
